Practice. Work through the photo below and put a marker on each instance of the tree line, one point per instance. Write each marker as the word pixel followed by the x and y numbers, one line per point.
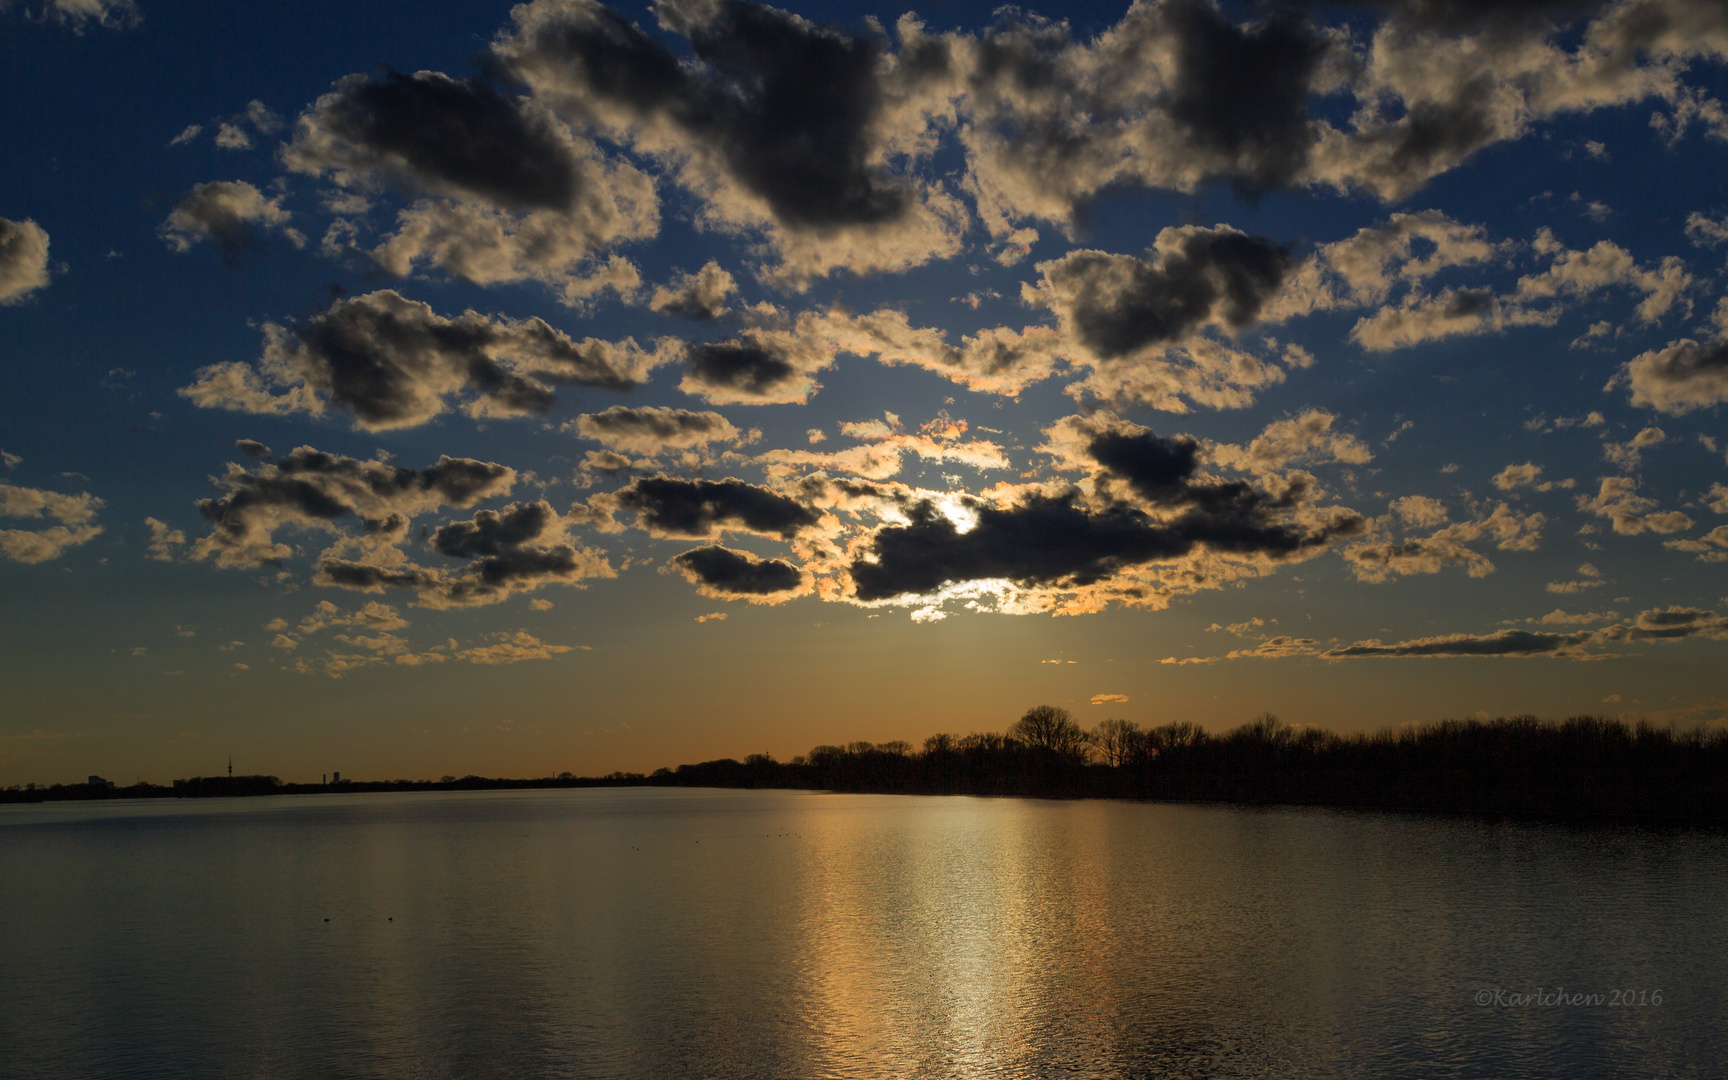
pixel 1582 767
pixel 214 787
pixel 1585 766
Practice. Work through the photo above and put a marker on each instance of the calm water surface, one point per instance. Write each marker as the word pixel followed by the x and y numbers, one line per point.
pixel 648 933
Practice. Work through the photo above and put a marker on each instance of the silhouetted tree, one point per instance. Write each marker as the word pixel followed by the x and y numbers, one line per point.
pixel 1051 728
pixel 1118 741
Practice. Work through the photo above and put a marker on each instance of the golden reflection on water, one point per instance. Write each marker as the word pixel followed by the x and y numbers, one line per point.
pixel 994 938
pixel 664 934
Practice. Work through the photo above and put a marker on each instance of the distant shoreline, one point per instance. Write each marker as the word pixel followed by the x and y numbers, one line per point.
pixel 209 787
pixel 1583 769
pixel 70 793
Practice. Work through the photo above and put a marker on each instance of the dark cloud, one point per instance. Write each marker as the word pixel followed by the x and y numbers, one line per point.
pixel 1053 540
pixel 1673 624
pixel 744 368
pixel 1174 96
pixel 387 359
pixel 1502 643
pixel 1678 379
pixel 504 191
pixel 491 532
pixel 784 106
pixel 1241 91
pixel 393 363
pixel 652 429
pixel 517 549
pixel 1656 624
pixel 700 509
pixel 1157 468
pixel 23 259
pixel 1436 135
pixel 445 136
pixel 520 548
pixel 1162 472
pixel 312 489
pixel 252 448
pixel 1467 302
pixel 1118 304
pixel 723 572
pixel 368 577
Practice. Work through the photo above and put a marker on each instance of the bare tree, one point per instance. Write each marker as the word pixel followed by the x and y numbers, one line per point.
pixel 1117 741
pixel 1051 728
pixel 1268 728
pixel 986 741
pixel 941 743
pixel 1173 736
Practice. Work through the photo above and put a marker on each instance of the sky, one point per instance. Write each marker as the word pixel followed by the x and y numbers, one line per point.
pixel 422 389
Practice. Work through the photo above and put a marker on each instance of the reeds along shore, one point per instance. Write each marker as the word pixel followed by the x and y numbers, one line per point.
pixel 1582 767
pixel 1586 767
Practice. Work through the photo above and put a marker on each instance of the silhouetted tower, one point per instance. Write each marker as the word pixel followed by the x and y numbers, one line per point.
pixel 230 766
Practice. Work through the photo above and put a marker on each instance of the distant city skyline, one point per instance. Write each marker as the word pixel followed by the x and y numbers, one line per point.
pixel 448 389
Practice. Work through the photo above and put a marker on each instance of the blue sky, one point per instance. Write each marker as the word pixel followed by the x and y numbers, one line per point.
pixel 413 389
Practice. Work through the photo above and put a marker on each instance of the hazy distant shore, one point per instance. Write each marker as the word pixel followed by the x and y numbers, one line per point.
pixel 1581 768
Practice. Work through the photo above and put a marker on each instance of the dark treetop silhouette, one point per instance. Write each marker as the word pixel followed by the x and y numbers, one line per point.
pixel 1582 767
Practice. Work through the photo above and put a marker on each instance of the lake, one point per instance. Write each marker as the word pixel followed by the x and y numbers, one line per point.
pixel 667 933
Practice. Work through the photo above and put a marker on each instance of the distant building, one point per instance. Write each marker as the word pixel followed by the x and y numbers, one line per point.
pixel 98 782
pixel 335 778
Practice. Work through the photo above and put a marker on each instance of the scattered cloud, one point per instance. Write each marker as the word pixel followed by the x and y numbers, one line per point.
pixel 521 548
pixel 23 260
pixel 75 516
pixel 1655 624
pixel 1630 513
pixel 1706 231
pixel 652 429
pixel 165 542
pixel 1677 379
pixel 1499 643
pixel 1380 556
pixel 671 507
pixel 725 574
pixel 1538 299
pixel 1712 547
pixel 700 296
pixel 77 15
pixel 311 490
pixel 1529 475
pixel 1589 577
pixel 762 145
pixel 512 648
pixel 229 213
pixel 505 192
pixel 1558 617
pixel 390 362
pixel 1626 456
